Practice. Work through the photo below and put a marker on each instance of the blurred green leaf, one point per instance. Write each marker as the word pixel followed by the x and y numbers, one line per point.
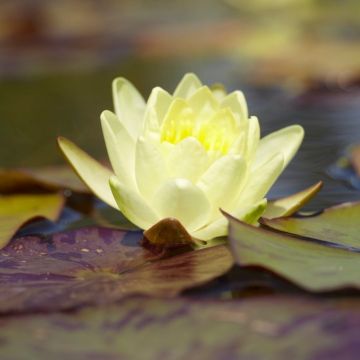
pixel 17 210
pixel 338 224
pixel 308 264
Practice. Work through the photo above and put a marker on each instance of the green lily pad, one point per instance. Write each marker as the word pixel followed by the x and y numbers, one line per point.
pixel 17 210
pixel 312 266
pixel 338 224
pixel 96 266
pixel 272 328
pixel 44 179
pixel 290 204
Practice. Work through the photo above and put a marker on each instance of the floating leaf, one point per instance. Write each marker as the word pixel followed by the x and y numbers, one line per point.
pixel 311 265
pixel 97 265
pixel 272 328
pixel 16 210
pixel 40 179
pixel 289 205
pixel 338 224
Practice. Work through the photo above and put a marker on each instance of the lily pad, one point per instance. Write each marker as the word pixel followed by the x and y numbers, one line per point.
pixel 17 210
pixel 40 180
pixel 273 328
pixel 289 205
pixel 94 266
pixel 312 266
pixel 338 224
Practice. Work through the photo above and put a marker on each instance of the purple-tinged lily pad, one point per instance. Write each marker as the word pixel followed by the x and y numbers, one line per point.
pixel 339 224
pixel 272 328
pixel 94 266
pixel 310 265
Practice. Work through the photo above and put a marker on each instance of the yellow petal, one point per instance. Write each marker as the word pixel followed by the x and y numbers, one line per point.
pixel 180 199
pixel 129 105
pixel 223 181
pixel 156 109
pixel 203 102
pixel 178 123
pixel 286 140
pixel 150 167
pixel 260 181
pixel 249 214
pixel 187 86
pixel 120 147
pixel 253 137
pixel 237 103
pixel 188 159
pixel 91 172
pixel 132 205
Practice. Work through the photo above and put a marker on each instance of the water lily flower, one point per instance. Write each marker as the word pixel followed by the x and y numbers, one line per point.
pixel 185 156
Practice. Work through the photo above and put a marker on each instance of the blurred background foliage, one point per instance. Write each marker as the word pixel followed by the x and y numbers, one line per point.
pixel 57 60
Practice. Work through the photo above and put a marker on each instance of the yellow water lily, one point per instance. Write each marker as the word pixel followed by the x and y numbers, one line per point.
pixel 185 156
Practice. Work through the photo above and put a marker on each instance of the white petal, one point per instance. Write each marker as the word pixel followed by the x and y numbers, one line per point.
pixel 180 199
pixel 187 86
pixel 215 229
pixel 223 180
pixel 286 140
pixel 260 181
pixel 157 106
pixel 132 205
pixel 188 159
pixel 219 227
pixel 150 167
pixel 253 137
pixel 238 147
pixel 237 103
pixel 120 147
pixel 91 172
pixel 129 105
pixel 202 101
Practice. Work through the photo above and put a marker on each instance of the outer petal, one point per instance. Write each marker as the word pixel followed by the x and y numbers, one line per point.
pixel 260 181
pixel 250 214
pixel 188 159
pixel 150 167
pixel 237 103
pixel 238 147
pixel 187 86
pixel 132 205
pixel 91 172
pixel 253 137
pixel 223 180
pixel 129 105
pixel 120 147
pixel 180 199
pixel 157 106
pixel 286 140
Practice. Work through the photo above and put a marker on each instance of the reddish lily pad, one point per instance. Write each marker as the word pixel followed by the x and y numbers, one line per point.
pixel 312 266
pixel 45 179
pixel 338 224
pixel 17 210
pixel 272 328
pixel 96 265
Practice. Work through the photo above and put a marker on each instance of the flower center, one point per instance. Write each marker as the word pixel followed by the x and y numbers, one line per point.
pixel 215 130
